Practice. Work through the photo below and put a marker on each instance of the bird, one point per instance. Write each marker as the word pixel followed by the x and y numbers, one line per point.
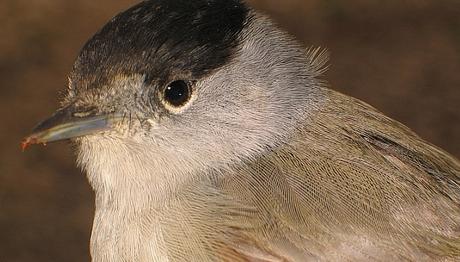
pixel 208 133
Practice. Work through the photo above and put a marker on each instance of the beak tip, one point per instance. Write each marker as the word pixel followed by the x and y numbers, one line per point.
pixel 28 141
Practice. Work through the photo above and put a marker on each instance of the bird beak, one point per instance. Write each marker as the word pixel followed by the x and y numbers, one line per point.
pixel 69 122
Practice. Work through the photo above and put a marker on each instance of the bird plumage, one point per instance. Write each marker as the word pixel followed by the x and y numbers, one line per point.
pixel 382 194
pixel 264 163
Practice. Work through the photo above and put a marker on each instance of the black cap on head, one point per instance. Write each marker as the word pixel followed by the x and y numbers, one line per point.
pixel 161 38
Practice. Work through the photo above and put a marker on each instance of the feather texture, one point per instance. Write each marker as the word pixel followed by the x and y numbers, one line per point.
pixel 264 164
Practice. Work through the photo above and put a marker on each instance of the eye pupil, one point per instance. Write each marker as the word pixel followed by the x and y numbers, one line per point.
pixel 177 93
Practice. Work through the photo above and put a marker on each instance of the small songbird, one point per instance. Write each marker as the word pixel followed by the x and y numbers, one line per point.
pixel 207 134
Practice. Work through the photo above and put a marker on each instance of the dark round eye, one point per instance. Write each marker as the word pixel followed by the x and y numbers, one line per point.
pixel 177 93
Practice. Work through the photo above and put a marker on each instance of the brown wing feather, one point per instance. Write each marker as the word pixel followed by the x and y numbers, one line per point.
pixel 353 184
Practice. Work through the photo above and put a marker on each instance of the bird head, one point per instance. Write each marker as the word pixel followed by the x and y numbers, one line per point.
pixel 182 86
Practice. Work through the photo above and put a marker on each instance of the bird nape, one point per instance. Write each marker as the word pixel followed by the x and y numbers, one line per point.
pixel 208 134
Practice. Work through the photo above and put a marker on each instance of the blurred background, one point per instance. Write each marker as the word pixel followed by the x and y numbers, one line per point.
pixel 401 56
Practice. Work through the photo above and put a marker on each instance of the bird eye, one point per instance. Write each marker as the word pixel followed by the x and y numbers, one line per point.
pixel 177 93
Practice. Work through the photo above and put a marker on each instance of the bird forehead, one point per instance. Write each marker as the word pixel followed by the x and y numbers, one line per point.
pixel 161 38
pixel 116 91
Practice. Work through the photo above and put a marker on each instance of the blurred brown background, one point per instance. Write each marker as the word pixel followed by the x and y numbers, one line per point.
pixel 402 56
